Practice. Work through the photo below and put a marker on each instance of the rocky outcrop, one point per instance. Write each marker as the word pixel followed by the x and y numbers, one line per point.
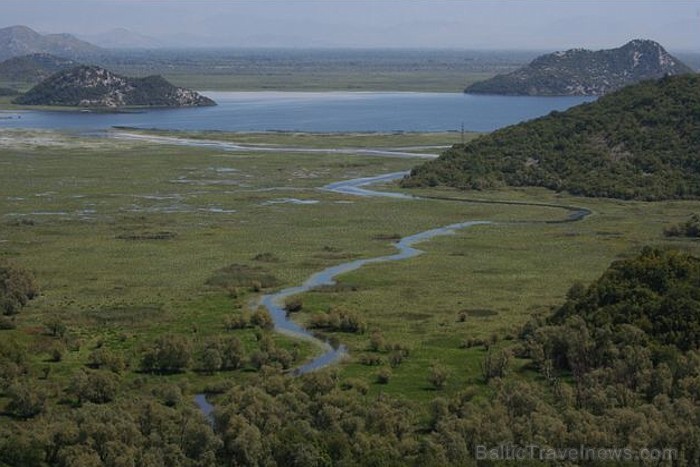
pixel 580 72
pixel 92 86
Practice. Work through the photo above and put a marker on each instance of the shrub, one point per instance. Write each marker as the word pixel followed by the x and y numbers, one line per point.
pixel 17 287
pixel 169 354
pixel 384 375
pixel 293 304
pixel 438 375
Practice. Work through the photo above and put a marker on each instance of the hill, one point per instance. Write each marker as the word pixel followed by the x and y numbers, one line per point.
pixel 33 68
pixel 579 72
pixel 641 142
pixel 92 86
pixel 16 41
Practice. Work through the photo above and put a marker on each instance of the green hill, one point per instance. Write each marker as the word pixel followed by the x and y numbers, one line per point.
pixel 585 72
pixel 641 142
pixel 657 292
pixel 91 86
pixel 32 68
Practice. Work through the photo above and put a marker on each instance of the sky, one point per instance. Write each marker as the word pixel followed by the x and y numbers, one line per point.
pixel 455 24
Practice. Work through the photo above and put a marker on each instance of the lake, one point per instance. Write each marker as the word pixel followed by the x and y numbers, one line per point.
pixel 315 112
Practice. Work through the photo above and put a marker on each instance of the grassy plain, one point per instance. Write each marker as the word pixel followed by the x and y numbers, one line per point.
pixel 315 81
pixel 123 235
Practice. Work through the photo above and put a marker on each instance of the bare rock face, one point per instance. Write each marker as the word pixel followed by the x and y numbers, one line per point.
pixel 580 72
pixel 92 86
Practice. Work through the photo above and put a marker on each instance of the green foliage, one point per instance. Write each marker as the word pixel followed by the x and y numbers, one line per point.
pixel 656 293
pixel 103 357
pixel 689 228
pixel 32 68
pixel 241 275
pixel 495 364
pixel 17 287
pixel 338 319
pixel 438 375
pixel 638 143
pixel 384 375
pixel 8 92
pixel 98 387
pixel 170 353
pixel 293 304
pixel 26 400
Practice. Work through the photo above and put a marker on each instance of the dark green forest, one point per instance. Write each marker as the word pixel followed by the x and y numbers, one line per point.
pixel 641 142
pixel 616 365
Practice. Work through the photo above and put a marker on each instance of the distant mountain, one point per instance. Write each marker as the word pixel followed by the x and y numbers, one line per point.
pixel 33 68
pixel 91 86
pixel 641 142
pixel 16 41
pixel 580 72
pixel 121 38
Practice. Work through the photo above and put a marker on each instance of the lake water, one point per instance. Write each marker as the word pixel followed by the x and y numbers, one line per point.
pixel 315 112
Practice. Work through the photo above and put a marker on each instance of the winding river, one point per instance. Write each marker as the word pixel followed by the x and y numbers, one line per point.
pixel 274 302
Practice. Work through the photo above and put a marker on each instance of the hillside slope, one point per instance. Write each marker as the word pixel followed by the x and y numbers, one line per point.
pixel 91 86
pixel 33 68
pixel 16 41
pixel 641 142
pixel 585 72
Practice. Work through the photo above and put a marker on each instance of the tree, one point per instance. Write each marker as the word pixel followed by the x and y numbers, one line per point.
pixel 210 361
pixel 26 400
pixel 262 319
pixel 17 287
pixel 97 387
pixel 495 364
pixel 232 354
pixel 169 353
pixel 438 375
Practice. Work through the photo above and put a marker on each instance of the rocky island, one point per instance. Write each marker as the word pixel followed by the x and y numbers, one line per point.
pixel 95 87
pixel 581 72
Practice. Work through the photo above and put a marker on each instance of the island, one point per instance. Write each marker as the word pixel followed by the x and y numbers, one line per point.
pixel 581 72
pixel 96 87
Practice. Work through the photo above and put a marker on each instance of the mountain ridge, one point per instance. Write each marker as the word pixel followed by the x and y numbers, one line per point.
pixel 21 40
pixel 583 72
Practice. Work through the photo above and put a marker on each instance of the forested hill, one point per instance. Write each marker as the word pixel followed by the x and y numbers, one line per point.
pixel 585 72
pixel 91 86
pixel 33 68
pixel 641 142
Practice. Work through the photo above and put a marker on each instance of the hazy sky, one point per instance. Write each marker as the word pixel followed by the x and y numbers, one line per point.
pixel 523 24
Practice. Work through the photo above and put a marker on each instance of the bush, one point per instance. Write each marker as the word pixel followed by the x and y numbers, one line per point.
pixel 237 321
pixel 241 275
pixel 495 364
pixel 17 287
pixel 26 401
pixel 97 387
pixel 384 375
pixel 169 354
pixel 438 375
pixel 262 319
pixel 339 320
pixel 293 304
